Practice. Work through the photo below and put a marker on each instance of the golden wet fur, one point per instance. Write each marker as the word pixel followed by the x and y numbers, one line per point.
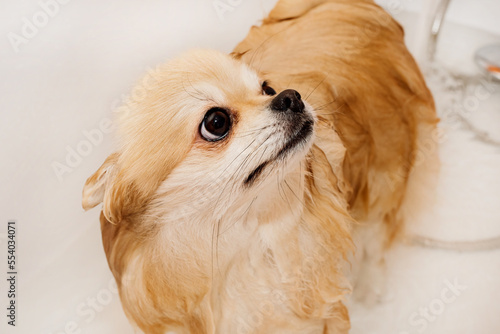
pixel 194 251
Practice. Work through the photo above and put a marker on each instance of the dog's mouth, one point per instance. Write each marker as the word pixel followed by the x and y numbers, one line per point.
pixel 297 139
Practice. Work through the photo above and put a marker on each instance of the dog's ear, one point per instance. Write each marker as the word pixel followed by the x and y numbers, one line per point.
pixel 126 181
pixel 109 185
pixel 113 186
pixel 286 9
pixel 238 55
pixel 95 187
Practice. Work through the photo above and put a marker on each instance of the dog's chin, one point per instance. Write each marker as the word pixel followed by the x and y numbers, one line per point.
pixel 293 150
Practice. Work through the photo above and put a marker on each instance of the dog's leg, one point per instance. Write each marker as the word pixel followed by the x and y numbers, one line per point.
pixel 340 324
pixel 368 267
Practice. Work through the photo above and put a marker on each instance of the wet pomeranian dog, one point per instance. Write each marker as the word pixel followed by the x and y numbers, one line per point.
pixel 244 181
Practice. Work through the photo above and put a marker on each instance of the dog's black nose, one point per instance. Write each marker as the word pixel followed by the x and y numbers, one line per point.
pixel 288 99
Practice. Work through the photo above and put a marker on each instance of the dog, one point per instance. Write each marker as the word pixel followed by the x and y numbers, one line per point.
pixel 235 202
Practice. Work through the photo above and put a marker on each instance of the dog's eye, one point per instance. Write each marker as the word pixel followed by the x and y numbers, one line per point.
pixel 215 125
pixel 267 90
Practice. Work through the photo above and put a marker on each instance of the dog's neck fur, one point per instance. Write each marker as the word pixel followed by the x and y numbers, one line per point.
pixel 262 261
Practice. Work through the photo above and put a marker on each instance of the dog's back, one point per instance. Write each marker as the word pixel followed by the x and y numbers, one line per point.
pixel 349 58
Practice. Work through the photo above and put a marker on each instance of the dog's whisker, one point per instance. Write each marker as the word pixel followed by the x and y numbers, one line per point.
pixel 217 246
pixel 286 197
pixel 251 132
pixel 262 44
pixel 278 184
pixel 293 192
pixel 320 107
pixel 238 168
pixel 308 95
pixel 223 189
pixel 250 158
pixel 247 160
pixel 237 156
pixel 191 94
pixel 242 215
pixel 205 97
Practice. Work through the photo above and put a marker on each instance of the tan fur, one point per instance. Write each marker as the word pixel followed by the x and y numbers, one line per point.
pixel 374 94
pixel 194 251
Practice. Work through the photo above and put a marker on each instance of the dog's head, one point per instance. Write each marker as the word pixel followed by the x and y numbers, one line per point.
pixel 205 130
